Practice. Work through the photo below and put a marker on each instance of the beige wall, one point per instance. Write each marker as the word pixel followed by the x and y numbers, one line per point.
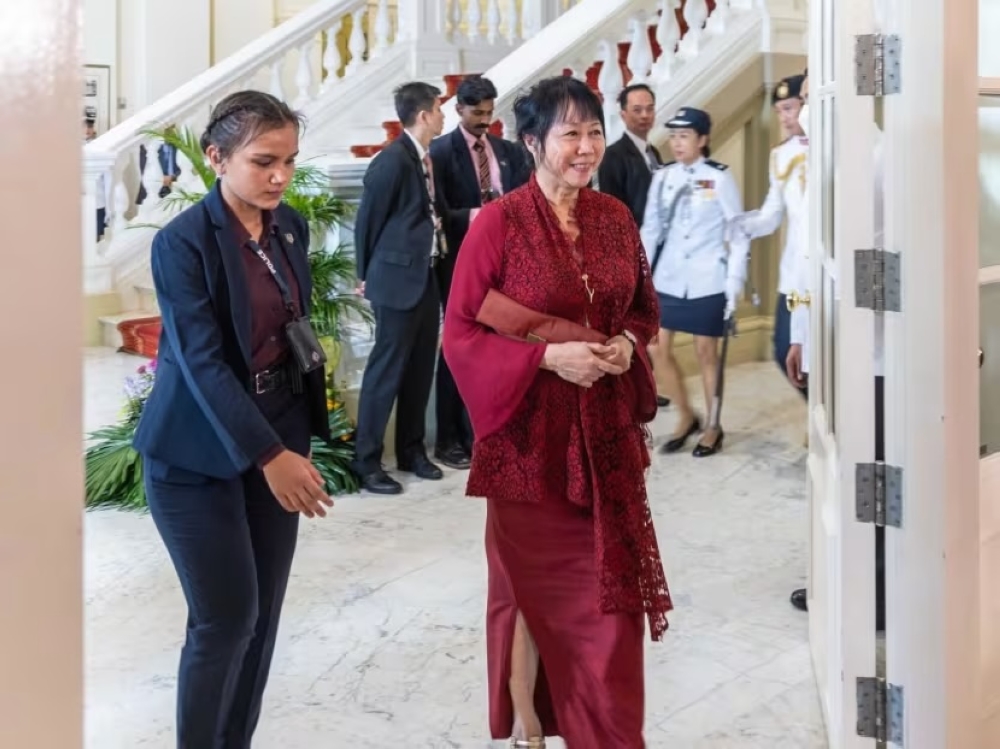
pixel 41 481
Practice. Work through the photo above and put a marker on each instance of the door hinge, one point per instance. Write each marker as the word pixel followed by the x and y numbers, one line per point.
pixel 877 280
pixel 880 710
pixel 876 64
pixel 878 492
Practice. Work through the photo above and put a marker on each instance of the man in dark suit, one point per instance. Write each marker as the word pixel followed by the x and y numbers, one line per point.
pixel 629 162
pixel 471 167
pixel 399 240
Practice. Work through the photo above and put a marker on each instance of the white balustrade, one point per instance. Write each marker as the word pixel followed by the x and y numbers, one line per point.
pixel 282 61
pixel 733 36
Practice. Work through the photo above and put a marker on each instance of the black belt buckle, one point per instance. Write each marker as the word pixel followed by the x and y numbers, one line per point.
pixel 268 381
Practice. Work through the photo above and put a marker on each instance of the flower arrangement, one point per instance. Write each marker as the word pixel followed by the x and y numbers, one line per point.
pixel 114 469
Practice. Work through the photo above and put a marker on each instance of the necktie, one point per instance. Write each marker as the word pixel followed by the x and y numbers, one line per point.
pixel 429 175
pixel 651 159
pixel 485 181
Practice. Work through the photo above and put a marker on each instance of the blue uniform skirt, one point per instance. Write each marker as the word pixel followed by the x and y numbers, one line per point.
pixel 703 316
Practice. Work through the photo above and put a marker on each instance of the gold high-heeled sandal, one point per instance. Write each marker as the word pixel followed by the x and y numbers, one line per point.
pixel 538 742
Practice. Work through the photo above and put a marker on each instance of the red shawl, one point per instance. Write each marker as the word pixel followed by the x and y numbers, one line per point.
pixel 539 437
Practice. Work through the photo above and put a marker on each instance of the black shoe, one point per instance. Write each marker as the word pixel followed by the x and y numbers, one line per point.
pixel 662 402
pixel 422 468
pixel 800 600
pixel 675 444
pixel 454 456
pixel 380 482
pixel 703 451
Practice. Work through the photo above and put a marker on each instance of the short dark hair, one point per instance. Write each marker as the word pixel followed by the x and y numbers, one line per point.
pixel 89 122
pixel 475 90
pixel 551 101
pixel 623 96
pixel 243 116
pixel 413 98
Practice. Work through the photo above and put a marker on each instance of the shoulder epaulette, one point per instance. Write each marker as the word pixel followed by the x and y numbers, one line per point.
pixel 716 164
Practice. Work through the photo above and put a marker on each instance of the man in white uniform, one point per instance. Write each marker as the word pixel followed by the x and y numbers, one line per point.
pixel 787 195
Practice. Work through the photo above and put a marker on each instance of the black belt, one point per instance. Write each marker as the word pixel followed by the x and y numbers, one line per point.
pixel 269 380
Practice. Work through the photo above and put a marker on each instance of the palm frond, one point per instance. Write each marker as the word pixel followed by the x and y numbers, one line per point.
pixel 113 470
pixel 186 141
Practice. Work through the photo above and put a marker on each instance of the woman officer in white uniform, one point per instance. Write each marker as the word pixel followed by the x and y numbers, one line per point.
pixel 698 270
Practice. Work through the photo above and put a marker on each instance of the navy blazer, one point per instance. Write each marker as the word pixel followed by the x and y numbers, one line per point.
pixel 457 178
pixel 625 174
pixel 394 227
pixel 200 416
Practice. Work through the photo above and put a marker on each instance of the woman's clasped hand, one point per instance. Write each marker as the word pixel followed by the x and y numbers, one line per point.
pixel 584 364
pixel 297 485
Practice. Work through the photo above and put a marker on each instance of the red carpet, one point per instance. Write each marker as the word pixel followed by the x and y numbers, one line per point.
pixel 140 336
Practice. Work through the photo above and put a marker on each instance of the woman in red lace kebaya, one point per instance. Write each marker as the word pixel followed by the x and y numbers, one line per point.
pixel 572 554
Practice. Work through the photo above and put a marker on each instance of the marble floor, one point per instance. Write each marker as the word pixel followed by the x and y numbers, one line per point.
pixel 382 637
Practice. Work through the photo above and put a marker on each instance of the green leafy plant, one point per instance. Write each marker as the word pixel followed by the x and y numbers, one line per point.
pixel 114 469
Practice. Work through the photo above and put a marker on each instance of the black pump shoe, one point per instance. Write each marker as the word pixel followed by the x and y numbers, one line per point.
pixel 703 451
pixel 676 443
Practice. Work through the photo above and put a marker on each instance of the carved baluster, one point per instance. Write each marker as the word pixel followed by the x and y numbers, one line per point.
pixel 383 27
pixel 277 88
pixel 304 76
pixel 455 18
pixel 640 53
pixel 717 21
pixel 511 22
pixel 668 33
pixel 356 44
pixel 492 20
pixel 120 200
pixel 332 60
pixel 151 178
pixel 695 14
pixel 610 84
pixel 473 17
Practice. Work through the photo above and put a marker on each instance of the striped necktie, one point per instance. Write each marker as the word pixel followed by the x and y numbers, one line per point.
pixel 485 180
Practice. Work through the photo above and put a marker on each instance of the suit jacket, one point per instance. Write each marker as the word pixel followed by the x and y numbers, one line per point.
pixel 624 173
pixel 394 229
pixel 457 179
pixel 200 416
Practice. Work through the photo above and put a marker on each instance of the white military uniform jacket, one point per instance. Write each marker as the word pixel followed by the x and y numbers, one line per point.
pixel 787 194
pixel 690 209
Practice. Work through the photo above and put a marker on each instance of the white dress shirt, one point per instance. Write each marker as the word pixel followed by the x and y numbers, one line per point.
pixel 695 261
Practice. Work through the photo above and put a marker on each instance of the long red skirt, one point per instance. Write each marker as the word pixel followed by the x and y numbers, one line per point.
pixel 590 688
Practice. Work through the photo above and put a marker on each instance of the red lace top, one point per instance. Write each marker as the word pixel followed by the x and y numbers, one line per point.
pixel 539 437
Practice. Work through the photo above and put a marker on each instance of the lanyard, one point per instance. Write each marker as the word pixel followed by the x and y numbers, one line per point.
pixel 286 295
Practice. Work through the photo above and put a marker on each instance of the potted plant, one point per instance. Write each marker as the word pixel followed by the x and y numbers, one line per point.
pixel 113 469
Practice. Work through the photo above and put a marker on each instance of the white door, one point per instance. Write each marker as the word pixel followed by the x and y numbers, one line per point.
pixel 841 379
pixel 989 342
pixel 931 377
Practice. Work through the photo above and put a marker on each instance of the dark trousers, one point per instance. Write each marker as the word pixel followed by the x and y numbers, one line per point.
pixel 783 339
pixel 232 546
pixel 400 369
pixel 453 424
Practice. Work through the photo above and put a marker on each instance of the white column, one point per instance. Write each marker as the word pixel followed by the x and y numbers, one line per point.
pixel 41 476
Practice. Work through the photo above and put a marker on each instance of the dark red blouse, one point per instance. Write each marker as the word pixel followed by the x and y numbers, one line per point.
pixel 268 315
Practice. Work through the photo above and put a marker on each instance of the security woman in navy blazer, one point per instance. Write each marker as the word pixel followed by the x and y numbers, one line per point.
pixel 225 434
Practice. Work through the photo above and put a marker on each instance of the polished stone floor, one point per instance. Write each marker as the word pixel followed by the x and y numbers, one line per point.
pixel 382 639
